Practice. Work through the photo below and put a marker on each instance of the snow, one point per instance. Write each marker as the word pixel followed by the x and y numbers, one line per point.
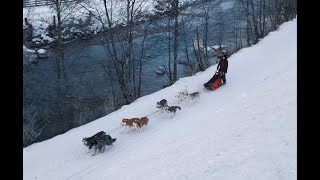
pixel 244 130
pixel 25 49
pixel 41 51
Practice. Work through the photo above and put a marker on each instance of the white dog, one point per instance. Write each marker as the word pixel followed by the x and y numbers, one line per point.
pixel 183 95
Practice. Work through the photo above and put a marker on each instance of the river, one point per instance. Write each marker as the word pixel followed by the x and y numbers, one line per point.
pixel 89 82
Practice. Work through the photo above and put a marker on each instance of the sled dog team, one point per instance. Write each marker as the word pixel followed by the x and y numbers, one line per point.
pixel 101 139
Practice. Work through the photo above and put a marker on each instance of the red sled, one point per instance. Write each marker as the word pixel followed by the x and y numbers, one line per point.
pixel 214 83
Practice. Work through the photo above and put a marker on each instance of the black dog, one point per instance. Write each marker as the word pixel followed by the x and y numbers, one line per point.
pixel 91 141
pixel 161 104
pixel 98 141
pixel 110 140
pixel 172 109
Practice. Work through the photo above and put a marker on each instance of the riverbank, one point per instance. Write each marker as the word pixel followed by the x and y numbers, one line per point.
pixel 81 20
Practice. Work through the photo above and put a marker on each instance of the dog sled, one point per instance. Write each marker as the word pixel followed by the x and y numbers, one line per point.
pixel 215 82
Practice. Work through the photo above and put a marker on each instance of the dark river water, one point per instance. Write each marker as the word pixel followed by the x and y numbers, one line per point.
pixel 89 82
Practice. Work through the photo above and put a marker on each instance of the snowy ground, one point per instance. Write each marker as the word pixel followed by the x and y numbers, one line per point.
pixel 244 130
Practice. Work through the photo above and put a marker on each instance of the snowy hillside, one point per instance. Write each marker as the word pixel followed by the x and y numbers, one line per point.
pixel 244 130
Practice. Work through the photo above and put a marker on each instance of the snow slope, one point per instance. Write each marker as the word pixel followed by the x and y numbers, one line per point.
pixel 244 130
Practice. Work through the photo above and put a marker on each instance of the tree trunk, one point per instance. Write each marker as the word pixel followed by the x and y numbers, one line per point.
pixel 175 41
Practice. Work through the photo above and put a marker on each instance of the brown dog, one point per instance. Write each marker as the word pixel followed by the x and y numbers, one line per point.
pixel 128 122
pixel 139 123
pixel 135 122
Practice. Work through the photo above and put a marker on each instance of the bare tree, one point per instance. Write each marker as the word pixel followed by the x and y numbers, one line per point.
pixel 189 65
pixel 221 26
pixel 245 4
pixel 198 52
pixel 255 23
pixel 133 11
pixel 264 16
pixel 123 60
pixel 65 109
pixel 35 114
pixel 33 124
pixel 171 8
pixel 206 9
pixel 171 81
pixel 175 35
